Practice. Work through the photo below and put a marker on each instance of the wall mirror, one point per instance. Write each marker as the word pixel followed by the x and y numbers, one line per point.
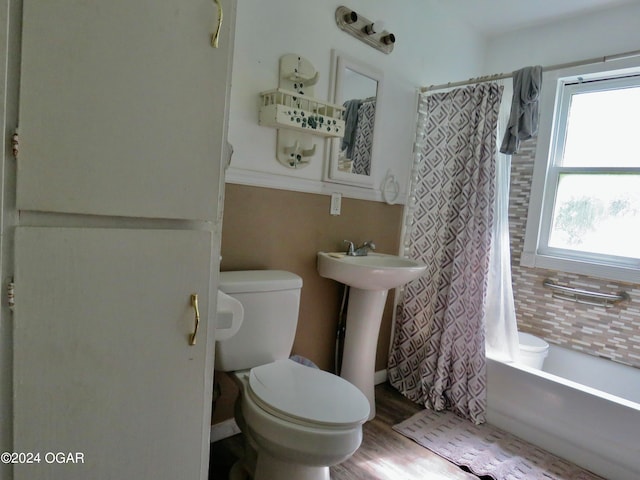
pixel 358 87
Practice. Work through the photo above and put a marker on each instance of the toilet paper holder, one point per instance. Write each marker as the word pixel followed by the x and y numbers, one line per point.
pixel 229 316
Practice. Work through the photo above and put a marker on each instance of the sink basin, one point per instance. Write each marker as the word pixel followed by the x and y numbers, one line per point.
pixel 375 271
pixel 369 279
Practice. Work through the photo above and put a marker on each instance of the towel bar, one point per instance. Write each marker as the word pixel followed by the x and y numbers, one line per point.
pixel 586 297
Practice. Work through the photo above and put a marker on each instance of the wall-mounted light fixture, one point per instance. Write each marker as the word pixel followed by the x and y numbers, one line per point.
pixel 350 17
pixel 372 33
pixel 373 28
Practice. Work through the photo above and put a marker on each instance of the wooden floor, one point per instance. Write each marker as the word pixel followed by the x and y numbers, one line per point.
pixel 383 455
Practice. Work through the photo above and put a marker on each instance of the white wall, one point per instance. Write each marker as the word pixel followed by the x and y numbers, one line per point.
pixel 431 47
pixel 597 34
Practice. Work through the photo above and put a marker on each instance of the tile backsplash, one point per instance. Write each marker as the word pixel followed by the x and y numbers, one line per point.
pixel 613 333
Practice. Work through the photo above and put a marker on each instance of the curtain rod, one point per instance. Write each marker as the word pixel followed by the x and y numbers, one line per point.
pixel 500 76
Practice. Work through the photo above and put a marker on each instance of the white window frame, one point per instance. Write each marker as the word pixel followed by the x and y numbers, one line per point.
pixel 535 252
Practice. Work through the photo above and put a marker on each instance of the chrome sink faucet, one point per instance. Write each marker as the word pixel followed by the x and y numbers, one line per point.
pixel 360 251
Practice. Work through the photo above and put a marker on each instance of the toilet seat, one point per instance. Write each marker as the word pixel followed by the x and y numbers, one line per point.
pixel 307 396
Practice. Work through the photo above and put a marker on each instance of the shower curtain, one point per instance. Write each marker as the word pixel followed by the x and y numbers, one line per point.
pixel 438 351
pixel 500 314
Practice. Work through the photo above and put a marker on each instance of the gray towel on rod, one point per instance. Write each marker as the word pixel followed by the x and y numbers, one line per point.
pixel 350 124
pixel 523 120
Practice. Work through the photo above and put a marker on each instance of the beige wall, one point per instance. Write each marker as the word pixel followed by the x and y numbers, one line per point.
pixel 276 229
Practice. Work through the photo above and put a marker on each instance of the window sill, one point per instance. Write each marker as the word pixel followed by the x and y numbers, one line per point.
pixel 608 272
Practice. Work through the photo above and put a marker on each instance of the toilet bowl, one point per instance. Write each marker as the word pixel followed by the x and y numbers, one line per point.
pixel 533 350
pixel 300 420
pixel 296 420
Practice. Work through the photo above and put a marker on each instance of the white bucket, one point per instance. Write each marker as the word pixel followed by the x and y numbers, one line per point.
pixel 533 350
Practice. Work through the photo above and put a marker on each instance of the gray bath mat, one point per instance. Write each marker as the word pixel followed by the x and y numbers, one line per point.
pixel 486 450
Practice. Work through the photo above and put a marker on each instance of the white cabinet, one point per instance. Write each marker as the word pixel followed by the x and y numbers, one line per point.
pixel 102 360
pixel 122 126
pixel 122 107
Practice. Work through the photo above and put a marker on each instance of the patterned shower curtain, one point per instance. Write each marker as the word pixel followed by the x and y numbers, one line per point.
pixel 437 356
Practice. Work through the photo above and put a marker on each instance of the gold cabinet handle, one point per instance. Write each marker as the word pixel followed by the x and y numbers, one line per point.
pixel 194 304
pixel 216 35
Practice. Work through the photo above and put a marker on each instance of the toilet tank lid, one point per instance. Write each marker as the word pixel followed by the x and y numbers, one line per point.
pixel 246 281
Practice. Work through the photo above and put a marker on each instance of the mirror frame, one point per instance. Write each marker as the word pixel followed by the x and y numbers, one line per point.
pixel 340 62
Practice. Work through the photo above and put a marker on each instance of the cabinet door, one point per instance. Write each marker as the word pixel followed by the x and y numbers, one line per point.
pixel 102 361
pixel 122 107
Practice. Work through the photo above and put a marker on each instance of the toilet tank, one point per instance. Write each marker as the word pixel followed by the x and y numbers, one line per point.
pixel 271 300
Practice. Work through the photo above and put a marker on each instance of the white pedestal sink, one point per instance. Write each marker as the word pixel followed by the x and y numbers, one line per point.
pixel 369 277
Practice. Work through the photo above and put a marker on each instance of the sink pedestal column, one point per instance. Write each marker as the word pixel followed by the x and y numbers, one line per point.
pixel 364 315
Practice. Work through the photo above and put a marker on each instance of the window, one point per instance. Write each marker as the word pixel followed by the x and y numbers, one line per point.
pixel 584 215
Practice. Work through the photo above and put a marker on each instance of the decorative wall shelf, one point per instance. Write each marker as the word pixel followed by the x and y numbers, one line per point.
pixel 285 109
pixel 298 116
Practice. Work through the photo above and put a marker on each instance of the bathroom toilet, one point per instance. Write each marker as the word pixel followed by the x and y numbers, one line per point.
pixel 297 420
pixel 533 350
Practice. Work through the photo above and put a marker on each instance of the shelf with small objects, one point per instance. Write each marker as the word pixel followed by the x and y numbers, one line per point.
pixel 298 116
